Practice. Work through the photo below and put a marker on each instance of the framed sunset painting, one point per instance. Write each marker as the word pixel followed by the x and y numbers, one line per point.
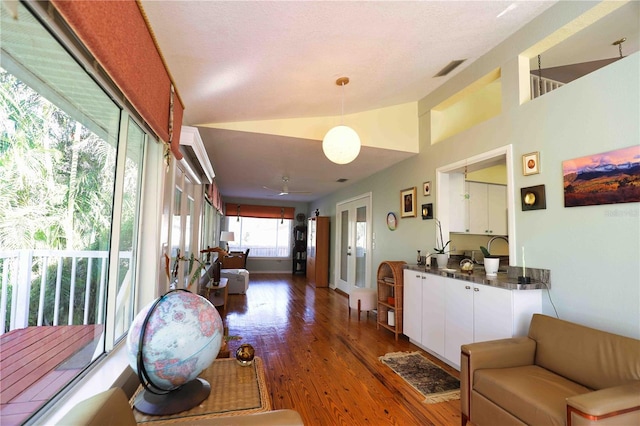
pixel 608 178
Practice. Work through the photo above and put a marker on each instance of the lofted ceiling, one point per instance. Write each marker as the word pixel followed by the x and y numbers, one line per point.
pixel 238 61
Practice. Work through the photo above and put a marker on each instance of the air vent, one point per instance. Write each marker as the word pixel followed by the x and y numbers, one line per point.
pixel 450 67
pixel 342 180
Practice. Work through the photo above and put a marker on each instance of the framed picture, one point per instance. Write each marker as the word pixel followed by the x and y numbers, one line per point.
pixel 531 163
pixel 408 202
pixel 426 188
pixel 607 178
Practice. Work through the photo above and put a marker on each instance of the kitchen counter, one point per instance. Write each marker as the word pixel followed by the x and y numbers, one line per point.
pixel 507 280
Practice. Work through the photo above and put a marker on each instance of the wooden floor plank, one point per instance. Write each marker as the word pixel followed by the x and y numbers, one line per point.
pixel 324 363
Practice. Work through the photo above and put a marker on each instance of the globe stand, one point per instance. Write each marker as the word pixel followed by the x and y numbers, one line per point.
pixel 182 399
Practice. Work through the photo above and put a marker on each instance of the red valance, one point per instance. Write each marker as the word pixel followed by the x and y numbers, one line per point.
pixel 117 35
pixel 264 212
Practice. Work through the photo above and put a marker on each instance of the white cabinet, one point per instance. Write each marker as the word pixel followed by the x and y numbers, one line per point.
pixel 478 312
pixel 412 313
pixel 487 208
pixel 458 318
pixel 424 309
pixel 443 313
pixel 477 208
pixel 492 313
pixel 433 312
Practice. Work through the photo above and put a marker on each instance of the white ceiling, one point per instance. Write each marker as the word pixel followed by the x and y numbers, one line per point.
pixel 257 60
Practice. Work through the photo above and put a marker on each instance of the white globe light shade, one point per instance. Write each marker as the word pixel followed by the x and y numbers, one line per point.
pixel 341 144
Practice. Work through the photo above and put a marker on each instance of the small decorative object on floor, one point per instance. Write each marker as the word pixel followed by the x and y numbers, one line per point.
pixel 430 380
pixel 245 354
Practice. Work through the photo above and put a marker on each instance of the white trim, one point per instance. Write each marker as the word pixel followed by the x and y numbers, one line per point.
pixel 190 136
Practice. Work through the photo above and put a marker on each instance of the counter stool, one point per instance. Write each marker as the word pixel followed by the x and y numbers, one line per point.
pixel 363 299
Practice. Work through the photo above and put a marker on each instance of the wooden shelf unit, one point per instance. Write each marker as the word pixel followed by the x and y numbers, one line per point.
pixel 390 284
pixel 318 251
pixel 299 250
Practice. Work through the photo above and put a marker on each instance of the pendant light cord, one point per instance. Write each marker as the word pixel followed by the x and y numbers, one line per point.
pixel 342 108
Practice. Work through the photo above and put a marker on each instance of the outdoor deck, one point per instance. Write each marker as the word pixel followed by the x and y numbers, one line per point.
pixel 36 362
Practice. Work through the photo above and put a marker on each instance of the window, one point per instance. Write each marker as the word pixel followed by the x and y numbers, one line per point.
pixel 70 184
pixel 265 237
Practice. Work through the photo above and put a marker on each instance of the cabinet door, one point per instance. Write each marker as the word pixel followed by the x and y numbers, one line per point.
pixel 497 209
pixel 412 309
pixel 433 317
pixel 478 208
pixel 458 318
pixel 458 204
pixel 492 313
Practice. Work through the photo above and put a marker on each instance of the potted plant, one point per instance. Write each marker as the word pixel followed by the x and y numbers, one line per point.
pixel 491 262
pixel 441 252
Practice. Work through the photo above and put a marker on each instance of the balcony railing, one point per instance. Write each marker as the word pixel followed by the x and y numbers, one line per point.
pixel 21 270
pixel 540 86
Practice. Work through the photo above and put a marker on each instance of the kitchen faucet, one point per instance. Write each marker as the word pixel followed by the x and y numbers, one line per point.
pixel 501 237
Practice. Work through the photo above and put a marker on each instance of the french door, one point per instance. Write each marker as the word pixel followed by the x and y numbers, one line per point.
pixel 353 243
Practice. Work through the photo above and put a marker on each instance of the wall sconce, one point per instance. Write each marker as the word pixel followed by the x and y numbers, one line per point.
pixel 427 211
pixel 533 198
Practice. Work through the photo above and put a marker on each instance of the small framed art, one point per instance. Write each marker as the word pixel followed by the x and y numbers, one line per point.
pixel 408 202
pixel 531 163
pixel 426 188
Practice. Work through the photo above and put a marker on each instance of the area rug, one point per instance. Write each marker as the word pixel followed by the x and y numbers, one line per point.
pixel 427 378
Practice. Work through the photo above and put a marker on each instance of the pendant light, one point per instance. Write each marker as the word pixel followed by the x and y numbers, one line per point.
pixel 341 144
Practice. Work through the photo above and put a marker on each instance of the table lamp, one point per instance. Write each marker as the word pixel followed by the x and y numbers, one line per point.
pixel 227 236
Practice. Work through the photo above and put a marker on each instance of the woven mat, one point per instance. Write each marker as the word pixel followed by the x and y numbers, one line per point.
pixel 235 390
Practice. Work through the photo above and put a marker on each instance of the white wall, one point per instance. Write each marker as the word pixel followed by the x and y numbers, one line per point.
pixel 593 252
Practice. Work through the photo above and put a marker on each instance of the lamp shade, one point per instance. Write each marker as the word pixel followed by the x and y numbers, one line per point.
pixel 227 236
pixel 341 144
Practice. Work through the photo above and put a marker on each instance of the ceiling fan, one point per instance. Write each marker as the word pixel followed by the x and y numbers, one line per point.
pixel 285 188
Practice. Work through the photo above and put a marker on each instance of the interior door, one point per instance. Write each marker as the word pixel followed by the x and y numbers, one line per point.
pixel 353 243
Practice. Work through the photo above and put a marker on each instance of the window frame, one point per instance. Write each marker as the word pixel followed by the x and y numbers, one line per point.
pixel 233 246
pixel 113 346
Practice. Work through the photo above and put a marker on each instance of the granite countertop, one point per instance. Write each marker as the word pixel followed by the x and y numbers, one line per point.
pixel 507 280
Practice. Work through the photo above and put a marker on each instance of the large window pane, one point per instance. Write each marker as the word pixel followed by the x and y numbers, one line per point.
pixel 129 216
pixel 265 237
pixel 59 140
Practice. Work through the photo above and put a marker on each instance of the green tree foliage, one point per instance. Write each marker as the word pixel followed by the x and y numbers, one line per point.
pixel 56 191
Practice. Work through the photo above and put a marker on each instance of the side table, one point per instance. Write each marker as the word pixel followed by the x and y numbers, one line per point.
pixel 218 294
pixel 235 390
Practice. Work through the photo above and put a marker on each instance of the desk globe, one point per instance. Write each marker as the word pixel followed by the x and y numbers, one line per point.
pixel 181 335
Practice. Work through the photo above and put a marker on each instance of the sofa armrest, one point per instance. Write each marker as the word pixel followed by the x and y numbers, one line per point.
pixel 606 406
pixel 504 353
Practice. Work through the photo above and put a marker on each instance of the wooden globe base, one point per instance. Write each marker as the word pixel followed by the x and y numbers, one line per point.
pixel 176 401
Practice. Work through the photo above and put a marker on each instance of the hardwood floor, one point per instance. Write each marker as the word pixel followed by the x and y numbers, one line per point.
pixel 324 363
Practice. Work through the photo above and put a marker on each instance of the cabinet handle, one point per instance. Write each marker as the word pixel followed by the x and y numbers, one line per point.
pixel 418 276
pixel 476 289
pixel 467 287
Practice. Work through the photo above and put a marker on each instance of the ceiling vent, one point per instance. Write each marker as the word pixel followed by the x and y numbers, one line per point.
pixel 450 67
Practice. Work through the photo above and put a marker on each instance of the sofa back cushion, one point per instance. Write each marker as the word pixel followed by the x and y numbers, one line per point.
pixel 590 357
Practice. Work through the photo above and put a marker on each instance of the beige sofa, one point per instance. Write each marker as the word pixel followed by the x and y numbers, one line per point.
pixel 562 373
pixel 112 408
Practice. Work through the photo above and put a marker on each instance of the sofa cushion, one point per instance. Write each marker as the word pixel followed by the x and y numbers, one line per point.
pixel 594 358
pixel 530 393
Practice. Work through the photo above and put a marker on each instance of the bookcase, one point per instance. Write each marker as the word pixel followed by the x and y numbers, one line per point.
pixel 299 250
pixel 390 280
